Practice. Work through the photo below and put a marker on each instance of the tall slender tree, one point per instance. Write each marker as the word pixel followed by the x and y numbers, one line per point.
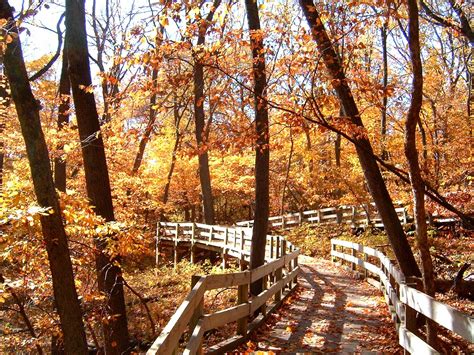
pixel 200 117
pixel 109 273
pixel 363 147
pixel 54 235
pixel 411 152
pixel 262 149
pixel 63 119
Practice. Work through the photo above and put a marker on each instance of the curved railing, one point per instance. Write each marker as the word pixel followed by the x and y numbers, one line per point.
pixel 405 301
pixel 278 273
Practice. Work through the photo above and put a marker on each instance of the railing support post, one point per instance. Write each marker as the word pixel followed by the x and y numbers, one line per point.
pixel 197 313
pixel 224 255
pixel 354 254
pixel 333 248
pixel 279 271
pixel 157 245
pixel 193 242
pixel 365 270
pixel 243 297
pixel 175 247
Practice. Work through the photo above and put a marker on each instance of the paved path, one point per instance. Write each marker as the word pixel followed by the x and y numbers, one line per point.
pixel 330 312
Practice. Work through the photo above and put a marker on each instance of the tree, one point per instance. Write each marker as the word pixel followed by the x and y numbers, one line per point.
pixel 109 273
pixel 262 148
pixel 63 119
pixel 411 152
pixel 65 295
pixel 199 116
pixel 363 147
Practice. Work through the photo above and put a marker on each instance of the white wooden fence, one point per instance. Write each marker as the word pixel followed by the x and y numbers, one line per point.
pixel 279 279
pixel 403 299
pixel 359 216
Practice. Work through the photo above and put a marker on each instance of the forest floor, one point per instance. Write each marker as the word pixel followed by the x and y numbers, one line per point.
pixel 331 311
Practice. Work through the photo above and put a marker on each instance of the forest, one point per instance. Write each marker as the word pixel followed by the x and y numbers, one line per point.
pixel 120 118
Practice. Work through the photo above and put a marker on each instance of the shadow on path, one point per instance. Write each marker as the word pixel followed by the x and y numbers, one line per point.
pixel 330 312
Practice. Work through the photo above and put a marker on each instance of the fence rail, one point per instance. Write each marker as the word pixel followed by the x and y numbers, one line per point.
pixel 279 275
pixel 359 216
pixel 404 300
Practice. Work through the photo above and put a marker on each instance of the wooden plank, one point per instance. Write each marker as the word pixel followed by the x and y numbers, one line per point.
pixel 261 271
pixel 413 344
pixel 195 341
pixel 227 280
pixel 220 318
pixel 447 316
pixel 169 337
pixel 259 300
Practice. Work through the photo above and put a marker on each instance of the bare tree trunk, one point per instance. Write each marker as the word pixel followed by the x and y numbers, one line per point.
pixel 199 121
pixel 65 295
pixel 262 150
pixel 178 134
pixel 97 175
pixel 411 152
pixel 364 149
pixel 63 119
pixel 4 104
pixel 288 168
pixel 149 128
pixel 383 120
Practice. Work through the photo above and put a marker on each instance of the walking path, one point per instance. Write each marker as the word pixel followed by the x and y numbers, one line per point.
pixel 330 312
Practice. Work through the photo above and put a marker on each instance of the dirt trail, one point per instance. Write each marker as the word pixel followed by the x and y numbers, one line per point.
pixel 331 311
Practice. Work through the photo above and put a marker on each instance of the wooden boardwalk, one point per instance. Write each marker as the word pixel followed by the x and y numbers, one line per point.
pixel 331 311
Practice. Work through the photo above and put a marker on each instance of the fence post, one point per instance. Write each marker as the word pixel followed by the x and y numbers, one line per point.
pixel 338 216
pixel 175 247
pixel 193 247
pixel 198 311
pixel 279 271
pixel 319 216
pixel 224 255
pixel 283 253
pixel 405 216
pixel 241 259
pixel 365 270
pixel 333 248
pixel 210 234
pixel 290 267
pixel 243 297
pixel 410 313
pixel 353 217
pixel 157 245
pixel 354 254
pixel 283 224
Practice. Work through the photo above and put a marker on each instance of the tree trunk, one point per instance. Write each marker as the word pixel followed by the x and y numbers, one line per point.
pixel 4 104
pixel 63 119
pixel 372 174
pixel 287 175
pixel 65 295
pixel 411 152
pixel 262 150
pixel 199 120
pixel 96 173
pixel 149 128
pixel 177 120
pixel 383 120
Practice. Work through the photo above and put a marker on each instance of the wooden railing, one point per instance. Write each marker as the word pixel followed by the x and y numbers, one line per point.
pixel 357 216
pixel 403 298
pixel 279 279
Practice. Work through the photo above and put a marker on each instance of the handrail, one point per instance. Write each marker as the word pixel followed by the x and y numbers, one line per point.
pixel 404 300
pixel 358 216
pixel 279 272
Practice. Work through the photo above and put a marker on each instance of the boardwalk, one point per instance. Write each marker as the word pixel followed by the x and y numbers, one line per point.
pixel 331 312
